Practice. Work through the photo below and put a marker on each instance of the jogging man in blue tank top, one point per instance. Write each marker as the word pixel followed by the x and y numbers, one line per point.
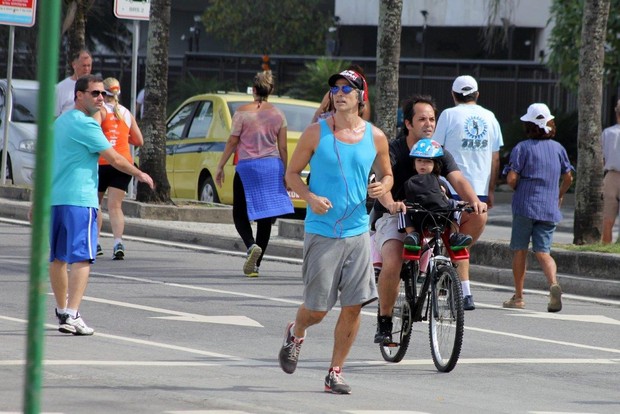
pixel 341 151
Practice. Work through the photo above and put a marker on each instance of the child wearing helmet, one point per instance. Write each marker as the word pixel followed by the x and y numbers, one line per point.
pixel 426 189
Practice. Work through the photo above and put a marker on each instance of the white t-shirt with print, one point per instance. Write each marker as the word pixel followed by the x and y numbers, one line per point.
pixel 472 134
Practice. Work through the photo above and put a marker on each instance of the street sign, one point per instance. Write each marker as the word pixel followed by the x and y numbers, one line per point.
pixel 132 9
pixel 18 12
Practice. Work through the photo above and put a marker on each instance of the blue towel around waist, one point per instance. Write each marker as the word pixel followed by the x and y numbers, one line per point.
pixel 263 184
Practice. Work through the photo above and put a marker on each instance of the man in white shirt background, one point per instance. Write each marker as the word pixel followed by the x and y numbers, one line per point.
pixel 82 64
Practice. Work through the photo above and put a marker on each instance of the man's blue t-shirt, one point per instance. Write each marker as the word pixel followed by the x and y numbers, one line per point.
pixel 78 140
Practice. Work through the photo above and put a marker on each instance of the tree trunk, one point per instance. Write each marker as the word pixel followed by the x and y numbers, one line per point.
pixel 75 24
pixel 388 55
pixel 153 125
pixel 588 202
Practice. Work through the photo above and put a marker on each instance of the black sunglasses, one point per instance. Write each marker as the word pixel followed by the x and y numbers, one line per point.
pixel 96 93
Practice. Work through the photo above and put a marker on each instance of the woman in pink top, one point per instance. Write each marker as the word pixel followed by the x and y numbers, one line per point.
pixel 259 137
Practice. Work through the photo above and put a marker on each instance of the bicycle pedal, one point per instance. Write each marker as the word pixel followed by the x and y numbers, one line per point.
pixel 391 345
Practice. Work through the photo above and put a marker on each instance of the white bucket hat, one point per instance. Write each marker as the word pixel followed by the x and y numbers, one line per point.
pixel 538 114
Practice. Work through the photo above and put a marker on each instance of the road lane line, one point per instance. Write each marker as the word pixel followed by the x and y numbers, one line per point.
pixel 367 313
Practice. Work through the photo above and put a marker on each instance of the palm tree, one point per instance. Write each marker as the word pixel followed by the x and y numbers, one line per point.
pixel 388 55
pixel 588 204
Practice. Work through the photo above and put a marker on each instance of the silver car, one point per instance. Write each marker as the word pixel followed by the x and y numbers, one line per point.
pixel 22 129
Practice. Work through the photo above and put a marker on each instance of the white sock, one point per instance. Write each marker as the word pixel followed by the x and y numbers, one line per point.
pixel 117 241
pixel 465 287
pixel 61 311
pixel 72 312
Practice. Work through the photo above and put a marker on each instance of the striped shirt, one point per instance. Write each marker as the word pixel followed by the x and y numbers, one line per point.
pixel 540 163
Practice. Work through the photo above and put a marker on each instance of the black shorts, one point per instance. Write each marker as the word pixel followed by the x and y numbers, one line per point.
pixel 111 177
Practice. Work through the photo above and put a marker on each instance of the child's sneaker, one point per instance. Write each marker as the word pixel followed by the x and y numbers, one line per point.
pixel 412 241
pixel 459 241
pixel 334 382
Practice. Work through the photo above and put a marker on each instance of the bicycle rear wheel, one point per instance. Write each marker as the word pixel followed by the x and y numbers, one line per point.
pixel 447 319
pixel 401 321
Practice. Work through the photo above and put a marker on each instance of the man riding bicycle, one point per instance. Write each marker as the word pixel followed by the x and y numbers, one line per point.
pixel 419 122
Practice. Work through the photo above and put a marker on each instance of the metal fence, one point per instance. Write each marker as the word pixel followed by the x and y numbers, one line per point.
pixel 506 87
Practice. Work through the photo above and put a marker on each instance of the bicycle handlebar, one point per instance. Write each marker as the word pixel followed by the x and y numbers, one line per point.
pixel 417 208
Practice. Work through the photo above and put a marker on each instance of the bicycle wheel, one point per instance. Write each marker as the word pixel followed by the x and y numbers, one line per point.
pixel 401 320
pixel 447 319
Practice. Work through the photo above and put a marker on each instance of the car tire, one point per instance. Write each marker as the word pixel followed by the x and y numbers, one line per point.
pixel 207 191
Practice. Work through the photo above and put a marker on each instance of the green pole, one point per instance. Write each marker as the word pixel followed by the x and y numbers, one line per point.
pixel 47 73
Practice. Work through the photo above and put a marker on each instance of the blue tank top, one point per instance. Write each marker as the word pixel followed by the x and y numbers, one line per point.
pixel 340 172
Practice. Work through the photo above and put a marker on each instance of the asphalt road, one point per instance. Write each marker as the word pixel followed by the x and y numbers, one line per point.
pixel 180 330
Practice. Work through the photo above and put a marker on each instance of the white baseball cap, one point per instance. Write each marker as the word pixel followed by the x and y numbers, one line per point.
pixel 465 85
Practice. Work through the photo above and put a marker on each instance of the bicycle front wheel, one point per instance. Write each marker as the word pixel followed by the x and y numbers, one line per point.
pixel 401 324
pixel 447 319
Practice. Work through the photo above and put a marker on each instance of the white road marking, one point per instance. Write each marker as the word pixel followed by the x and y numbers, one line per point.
pixel 575 318
pixel 207 412
pixel 71 362
pixel 367 313
pixel 499 361
pixel 180 316
pixel 384 412
pixel 144 342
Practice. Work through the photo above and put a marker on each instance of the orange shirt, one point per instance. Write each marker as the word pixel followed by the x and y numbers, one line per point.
pixel 117 132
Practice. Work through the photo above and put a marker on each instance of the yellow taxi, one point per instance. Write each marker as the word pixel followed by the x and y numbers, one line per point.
pixel 196 134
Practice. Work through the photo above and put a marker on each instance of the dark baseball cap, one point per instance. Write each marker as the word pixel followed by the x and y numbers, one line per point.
pixel 354 79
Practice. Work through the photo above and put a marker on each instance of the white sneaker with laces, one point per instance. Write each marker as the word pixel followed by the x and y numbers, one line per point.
pixel 75 326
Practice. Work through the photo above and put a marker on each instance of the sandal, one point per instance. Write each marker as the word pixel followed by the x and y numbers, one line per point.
pixel 514 302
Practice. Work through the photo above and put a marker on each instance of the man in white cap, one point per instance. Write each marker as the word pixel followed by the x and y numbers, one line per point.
pixel 611 180
pixel 472 135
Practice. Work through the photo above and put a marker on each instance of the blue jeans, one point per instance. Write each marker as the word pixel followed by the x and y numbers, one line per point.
pixel 541 233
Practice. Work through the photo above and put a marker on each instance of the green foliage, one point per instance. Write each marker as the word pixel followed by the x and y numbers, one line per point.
pixel 269 26
pixel 565 41
pixel 312 82
pixel 185 88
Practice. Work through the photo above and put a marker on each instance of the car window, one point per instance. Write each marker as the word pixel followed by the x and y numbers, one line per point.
pixel 24 105
pixel 176 126
pixel 201 121
pixel 297 117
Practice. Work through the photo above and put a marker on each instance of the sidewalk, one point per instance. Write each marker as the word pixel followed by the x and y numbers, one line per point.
pixel 579 272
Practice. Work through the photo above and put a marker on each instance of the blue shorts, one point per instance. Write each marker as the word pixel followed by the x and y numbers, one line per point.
pixel 73 236
pixel 541 233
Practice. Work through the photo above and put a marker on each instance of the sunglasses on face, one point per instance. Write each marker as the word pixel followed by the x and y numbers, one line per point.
pixel 346 89
pixel 96 93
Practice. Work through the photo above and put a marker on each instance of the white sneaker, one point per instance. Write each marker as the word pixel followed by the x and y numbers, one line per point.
pixel 75 326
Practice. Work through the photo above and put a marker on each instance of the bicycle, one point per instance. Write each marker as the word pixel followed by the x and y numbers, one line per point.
pixel 432 295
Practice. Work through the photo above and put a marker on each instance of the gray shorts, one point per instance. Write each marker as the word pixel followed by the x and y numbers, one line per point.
pixel 387 229
pixel 337 265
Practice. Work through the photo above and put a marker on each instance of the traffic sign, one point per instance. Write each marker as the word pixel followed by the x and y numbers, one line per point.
pixel 18 12
pixel 132 9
